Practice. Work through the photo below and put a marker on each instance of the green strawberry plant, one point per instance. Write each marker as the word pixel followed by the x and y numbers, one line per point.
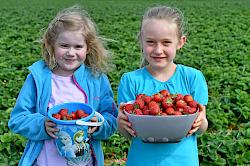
pixel 218 45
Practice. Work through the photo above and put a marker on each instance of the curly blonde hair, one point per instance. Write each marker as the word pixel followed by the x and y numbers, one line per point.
pixel 75 18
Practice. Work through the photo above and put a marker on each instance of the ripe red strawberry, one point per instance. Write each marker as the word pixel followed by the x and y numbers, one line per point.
pixel 164 93
pixel 193 104
pixel 193 110
pixel 69 117
pixel 80 114
pixel 139 96
pixel 164 114
pixel 138 112
pixel 177 113
pixel 145 112
pixel 154 111
pixel 63 112
pixel 85 115
pixel 177 97
pixel 187 110
pixel 73 115
pixel 129 108
pixel 139 104
pixel 147 99
pixel 180 103
pixel 154 108
pixel 170 110
pixel 188 98
pixel 57 116
pixel 179 109
pixel 145 107
pixel 157 97
pixel 167 102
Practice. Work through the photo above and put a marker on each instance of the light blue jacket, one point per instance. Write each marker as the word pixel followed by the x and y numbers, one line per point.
pixel 29 113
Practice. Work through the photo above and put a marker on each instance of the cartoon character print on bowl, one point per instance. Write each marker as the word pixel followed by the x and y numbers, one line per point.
pixel 72 140
pixel 81 146
pixel 67 148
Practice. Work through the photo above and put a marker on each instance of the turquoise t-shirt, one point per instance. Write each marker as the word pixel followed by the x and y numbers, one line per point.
pixel 185 80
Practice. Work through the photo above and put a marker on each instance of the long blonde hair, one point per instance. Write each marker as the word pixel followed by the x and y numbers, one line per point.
pixel 163 12
pixel 75 18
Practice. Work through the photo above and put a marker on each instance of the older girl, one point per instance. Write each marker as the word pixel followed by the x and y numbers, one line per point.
pixel 161 36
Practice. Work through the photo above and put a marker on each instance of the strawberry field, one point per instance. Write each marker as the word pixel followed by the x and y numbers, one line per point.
pixel 218 45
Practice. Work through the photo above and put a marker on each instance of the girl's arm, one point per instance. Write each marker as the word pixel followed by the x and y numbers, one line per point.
pixel 125 94
pixel 199 91
pixel 203 119
pixel 25 118
pixel 124 126
pixel 200 124
pixel 108 109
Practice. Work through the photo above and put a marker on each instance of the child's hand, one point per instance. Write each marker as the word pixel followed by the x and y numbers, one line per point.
pixel 123 124
pixel 92 129
pixel 50 128
pixel 200 122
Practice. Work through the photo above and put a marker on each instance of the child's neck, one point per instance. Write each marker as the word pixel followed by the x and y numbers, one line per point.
pixel 164 74
pixel 62 74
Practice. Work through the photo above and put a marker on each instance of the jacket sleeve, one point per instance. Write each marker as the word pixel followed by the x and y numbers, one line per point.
pixel 25 118
pixel 108 110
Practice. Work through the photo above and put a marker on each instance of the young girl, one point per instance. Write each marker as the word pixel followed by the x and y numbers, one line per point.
pixel 161 36
pixel 72 71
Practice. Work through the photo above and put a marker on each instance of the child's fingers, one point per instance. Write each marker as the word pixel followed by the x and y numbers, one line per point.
pixel 121 106
pixel 127 126
pixel 50 124
pixel 94 119
pixel 193 130
pixel 91 130
pixel 195 126
pixel 51 134
pixel 125 123
pixel 198 119
pixel 51 128
pixel 130 130
pixel 122 116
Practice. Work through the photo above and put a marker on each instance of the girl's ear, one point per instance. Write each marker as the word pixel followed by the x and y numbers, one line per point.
pixel 181 42
pixel 88 51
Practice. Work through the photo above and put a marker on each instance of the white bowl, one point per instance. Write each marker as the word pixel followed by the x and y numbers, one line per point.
pixel 161 128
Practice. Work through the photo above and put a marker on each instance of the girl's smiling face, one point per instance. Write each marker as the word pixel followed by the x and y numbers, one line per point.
pixel 160 42
pixel 70 52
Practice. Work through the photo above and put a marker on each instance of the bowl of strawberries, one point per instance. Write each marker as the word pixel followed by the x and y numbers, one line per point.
pixel 162 117
pixel 73 120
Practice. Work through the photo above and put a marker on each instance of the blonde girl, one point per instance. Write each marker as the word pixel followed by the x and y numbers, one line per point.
pixel 161 36
pixel 73 70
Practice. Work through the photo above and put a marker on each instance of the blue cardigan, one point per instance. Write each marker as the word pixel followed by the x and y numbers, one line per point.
pixel 30 111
